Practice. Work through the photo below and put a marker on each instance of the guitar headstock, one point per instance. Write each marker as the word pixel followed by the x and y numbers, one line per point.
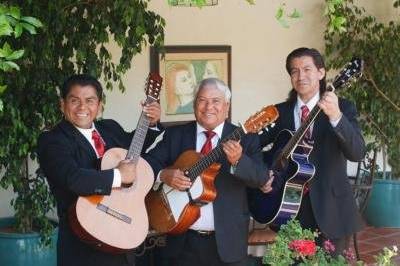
pixel 153 86
pixel 261 119
pixel 351 72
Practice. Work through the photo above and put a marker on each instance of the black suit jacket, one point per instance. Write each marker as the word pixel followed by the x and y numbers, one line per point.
pixel 72 169
pixel 231 215
pixel 331 194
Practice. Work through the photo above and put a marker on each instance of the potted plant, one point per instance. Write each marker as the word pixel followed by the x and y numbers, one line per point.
pixel 73 39
pixel 34 203
pixel 353 32
pixel 297 246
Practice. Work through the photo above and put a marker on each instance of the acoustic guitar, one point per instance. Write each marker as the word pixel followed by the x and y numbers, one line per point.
pixel 118 222
pixel 291 154
pixel 173 211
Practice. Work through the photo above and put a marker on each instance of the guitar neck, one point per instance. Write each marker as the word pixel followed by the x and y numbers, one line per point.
pixel 213 156
pixel 139 137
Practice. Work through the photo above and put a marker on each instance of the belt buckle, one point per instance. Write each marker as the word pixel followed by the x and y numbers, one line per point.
pixel 204 232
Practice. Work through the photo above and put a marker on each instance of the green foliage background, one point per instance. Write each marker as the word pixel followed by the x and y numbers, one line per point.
pixel 73 38
pixel 377 93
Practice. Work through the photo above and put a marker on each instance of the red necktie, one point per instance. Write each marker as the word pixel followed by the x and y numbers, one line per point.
pixel 98 143
pixel 207 147
pixel 304 113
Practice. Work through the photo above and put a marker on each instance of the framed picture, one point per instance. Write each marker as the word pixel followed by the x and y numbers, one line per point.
pixel 182 68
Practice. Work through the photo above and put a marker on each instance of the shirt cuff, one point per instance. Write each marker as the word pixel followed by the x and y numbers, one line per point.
pixel 334 123
pixel 117 178
pixel 158 181
pixel 155 127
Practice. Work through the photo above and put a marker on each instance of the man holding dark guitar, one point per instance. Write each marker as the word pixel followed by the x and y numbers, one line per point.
pixel 327 204
pixel 69 155
pixel 219 236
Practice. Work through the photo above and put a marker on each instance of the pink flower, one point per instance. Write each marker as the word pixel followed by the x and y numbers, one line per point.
pixel 303 247
pixel 349 255
pixel 329 246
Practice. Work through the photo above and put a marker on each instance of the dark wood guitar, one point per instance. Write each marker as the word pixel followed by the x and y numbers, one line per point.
pixel 173 211
pixel 118 222
pixel 283 204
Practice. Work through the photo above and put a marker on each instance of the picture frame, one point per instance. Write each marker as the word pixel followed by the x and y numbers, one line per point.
pixel 182 67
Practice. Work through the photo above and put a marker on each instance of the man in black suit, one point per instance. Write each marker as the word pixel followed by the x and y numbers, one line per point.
pixel 69 156
pixel 219 236
pixel 329 205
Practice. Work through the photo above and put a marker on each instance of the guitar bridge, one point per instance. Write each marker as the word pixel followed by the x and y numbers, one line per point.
pixel 114 213
pixel 198 203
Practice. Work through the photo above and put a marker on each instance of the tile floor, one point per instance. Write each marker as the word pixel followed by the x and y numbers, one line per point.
pixel 371 241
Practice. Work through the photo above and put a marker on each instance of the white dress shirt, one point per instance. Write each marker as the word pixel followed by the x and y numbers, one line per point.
pixel 206 220
pixel 87 133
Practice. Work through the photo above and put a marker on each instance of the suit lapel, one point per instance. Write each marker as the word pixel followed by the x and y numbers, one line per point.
pixel 70 130
pixel 189 141
pixel 289 116
pixel 320 124
pixel 107 137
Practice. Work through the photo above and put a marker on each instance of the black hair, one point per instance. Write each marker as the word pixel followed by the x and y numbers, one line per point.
pixel 318 62
pixel 81 80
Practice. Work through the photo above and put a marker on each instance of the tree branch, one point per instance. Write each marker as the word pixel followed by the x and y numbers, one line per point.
pixel 369 78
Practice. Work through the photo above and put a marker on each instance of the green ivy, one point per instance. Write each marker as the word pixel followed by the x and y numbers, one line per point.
pixel 74 39
pixel 376 94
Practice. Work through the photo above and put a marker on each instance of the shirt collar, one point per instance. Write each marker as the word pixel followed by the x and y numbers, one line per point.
pixel 217 130
pixel 310 104
pixel 86 131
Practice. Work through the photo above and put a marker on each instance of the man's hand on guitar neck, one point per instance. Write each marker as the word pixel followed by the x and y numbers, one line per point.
pixel 128 172
pixel 175 179
pixel 153 112
pixel 329 104
pixel 233 151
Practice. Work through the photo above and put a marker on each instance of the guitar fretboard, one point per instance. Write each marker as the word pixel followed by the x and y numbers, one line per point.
pixel 136 146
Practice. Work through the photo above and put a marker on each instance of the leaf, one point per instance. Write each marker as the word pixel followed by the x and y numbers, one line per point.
pixel 6 50
pixel 15 12
pixel 30 28
pixel 295 14
pixel 279 13
pixel 1 106
pixel 251 2
pixel 18 30
pixel 283 23
pixel 15 55
pixel 5 29
pixel 33 21
pixel 8 66
pixel 2 88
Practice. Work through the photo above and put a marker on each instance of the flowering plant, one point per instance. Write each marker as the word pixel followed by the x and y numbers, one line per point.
pixel 295 245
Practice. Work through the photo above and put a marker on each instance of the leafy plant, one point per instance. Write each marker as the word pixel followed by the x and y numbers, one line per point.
pixel 74 38
pixel 12 24
pixel 376 94
pixel 281 15
pixel 295 245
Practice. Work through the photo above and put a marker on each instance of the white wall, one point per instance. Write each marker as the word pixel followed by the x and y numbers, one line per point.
pixel 259 49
